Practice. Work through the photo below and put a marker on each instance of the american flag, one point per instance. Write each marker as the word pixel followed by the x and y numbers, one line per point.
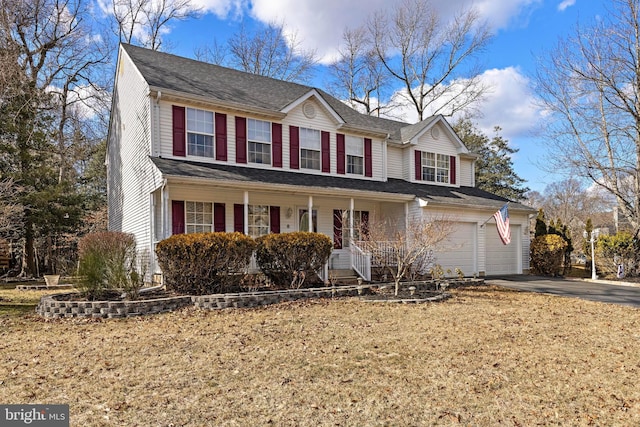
pixel 502 224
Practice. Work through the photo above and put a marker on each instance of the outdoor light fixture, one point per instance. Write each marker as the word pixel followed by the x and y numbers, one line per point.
pixel 593 236
pixel 289 212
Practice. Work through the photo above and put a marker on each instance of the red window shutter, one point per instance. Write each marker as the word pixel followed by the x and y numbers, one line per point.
pixel 337 229
pixel 179 136
pixel 326 159
pixel 221 137
pixel 418 165
pixel 241 140
pixel 294 147
pixel 274 219
pixel 452 169
pixel 368 160
pixel 340 153
pixel 238 218
pixel 276 142
pixel 219 217
pixel 177 217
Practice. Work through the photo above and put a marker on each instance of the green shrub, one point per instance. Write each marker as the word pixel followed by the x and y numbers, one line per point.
pixel 621 248
pixel 204 263
pixel 547 254
pixel 107 263
pixel 290 259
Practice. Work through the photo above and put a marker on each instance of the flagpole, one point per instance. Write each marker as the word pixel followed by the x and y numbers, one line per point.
pixel 489 219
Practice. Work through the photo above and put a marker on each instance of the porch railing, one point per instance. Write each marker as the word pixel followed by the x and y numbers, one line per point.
pixel 382 254
pixel 361 262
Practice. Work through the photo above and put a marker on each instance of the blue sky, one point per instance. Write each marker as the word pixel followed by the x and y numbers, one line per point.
pixel 524 29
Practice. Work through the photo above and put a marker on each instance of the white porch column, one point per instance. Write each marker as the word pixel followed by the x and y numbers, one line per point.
pixel 351 215
pixel 165 210
pixel 246 213
pixel 310 213
pixel 406 215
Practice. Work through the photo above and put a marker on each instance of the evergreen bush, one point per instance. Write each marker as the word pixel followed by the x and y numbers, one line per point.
pixel 107 263
pixel 547 254
pixel 204 263
pixel 290 259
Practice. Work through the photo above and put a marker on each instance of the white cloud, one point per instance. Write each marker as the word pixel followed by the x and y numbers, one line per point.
pixel 318 25
pixel 510 104
pixel 565 4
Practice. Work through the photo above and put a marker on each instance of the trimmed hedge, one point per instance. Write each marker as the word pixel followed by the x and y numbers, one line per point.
pixel 282 257
pixel 204 263
pixel 547 254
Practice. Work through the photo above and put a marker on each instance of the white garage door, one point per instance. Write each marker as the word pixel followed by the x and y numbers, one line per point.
pixel 502 259
pixel 461 250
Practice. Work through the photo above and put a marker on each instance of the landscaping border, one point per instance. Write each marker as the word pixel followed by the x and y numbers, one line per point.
pixel 53 307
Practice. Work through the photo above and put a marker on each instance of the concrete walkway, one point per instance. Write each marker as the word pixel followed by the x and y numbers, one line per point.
pixel 625 293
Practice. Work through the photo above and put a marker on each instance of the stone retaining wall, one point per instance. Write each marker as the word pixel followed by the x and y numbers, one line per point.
pixel 51 307
pixel 54 307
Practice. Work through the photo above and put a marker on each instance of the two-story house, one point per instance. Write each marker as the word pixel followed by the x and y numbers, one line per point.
pixel 197 147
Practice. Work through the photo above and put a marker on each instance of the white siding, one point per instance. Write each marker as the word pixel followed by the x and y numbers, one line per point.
pixel 131 175
pixel 395 162
pixel 465 173
pixel 323 121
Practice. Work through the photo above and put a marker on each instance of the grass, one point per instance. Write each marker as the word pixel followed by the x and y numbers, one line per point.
pixel 15 303
pixel 487 356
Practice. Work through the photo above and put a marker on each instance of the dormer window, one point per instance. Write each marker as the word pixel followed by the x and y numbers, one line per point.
pixel 354 148
pixel 435 167
pixel 309 149
pixel 259 139
pixel 199 132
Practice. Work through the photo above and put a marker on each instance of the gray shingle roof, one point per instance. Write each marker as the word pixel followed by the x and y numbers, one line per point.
pixel 167 71
pixel 463 196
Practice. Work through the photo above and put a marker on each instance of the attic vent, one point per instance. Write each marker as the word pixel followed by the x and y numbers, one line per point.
pixel 435 133
pixel 309 110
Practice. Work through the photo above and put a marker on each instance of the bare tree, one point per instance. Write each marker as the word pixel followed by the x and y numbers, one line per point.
pixel 430 57
pixel 358 77
pixel 406 245
pixel 591 86
pixel 144 22
pixel 269 51
pixel 57 61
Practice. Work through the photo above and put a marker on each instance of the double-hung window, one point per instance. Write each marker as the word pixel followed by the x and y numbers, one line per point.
pixel 309 148
pixel 199 217
pixel 258 220
pixel 259 141
pixel 355 155
pixel 199 132
pixel 435 167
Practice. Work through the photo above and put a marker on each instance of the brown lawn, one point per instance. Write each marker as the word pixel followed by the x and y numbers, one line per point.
pixel 485 357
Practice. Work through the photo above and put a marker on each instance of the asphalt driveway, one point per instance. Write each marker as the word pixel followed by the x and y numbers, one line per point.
pixel 600 291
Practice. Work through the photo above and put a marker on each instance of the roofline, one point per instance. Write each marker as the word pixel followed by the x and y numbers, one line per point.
pixel 314 93
pixel 212 102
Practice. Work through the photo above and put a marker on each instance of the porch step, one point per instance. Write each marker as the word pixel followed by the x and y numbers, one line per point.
pixel 344 276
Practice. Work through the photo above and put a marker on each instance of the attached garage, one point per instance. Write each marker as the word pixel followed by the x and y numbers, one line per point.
pixel 503 259
pixel 461 250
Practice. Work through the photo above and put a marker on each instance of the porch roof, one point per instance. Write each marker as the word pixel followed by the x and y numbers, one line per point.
pixel 392 188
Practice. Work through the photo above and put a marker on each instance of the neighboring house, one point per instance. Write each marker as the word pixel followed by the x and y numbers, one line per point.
pixel 197 147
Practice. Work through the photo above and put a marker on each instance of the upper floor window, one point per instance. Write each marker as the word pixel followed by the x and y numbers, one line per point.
pixel 309 148
pixel 354 148
pixel 199 133
pixel 435 167
pixel 199 217
pixel 259 141
pixel 259 220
